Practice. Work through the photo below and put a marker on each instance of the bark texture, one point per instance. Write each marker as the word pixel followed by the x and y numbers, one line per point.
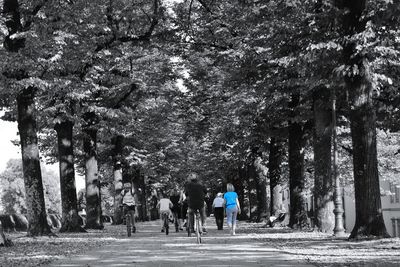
pixel 93 197
pixel 260 183
pixel 276 152
pixel 239 188
pixel 297 183
pixel 324 219
pixel 369 218
pixel 118 184
pixel 70 221
pixel 35 202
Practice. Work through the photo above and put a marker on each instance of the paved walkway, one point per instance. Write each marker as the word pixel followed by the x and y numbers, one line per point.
pixel 150 247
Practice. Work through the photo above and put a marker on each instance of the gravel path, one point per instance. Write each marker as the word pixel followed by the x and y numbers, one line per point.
pixel 150 247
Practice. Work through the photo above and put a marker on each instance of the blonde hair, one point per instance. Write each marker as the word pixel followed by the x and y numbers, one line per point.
pixel 230 187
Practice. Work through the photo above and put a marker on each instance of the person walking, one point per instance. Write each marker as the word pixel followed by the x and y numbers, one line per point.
pixel 218 206
pixel 232 207
pixel 176 209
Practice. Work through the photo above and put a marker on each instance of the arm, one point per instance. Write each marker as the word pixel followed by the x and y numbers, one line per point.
pixel 238 205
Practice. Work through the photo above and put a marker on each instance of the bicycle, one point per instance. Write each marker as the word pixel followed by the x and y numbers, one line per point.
pixel 165 217
pixel 129 219
pixel 197 226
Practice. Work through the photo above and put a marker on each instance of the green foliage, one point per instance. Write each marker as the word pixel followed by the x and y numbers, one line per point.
pixel 13 193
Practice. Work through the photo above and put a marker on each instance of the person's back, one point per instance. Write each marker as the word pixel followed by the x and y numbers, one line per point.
pixel 196 195
pixel 164 206
pixel 128 198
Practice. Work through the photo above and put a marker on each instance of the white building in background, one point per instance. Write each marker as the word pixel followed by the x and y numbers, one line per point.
pixel 390 208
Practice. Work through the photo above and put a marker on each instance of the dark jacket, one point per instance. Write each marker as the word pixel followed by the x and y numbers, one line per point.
pixel 196 194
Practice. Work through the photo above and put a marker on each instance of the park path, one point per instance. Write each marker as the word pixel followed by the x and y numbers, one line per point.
pixel 150 247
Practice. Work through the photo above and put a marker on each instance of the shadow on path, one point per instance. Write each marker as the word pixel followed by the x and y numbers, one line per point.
pixel 150 247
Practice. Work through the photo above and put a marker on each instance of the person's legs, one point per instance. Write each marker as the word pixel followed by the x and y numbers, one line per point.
pixel 229 218
pixel 162 220
pixel 132 213
pixel 191 219
pixel 219 217
pixel 234 216
pixel 203 218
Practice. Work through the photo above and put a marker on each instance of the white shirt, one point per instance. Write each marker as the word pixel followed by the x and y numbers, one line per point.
pixel 218 202
pixel 128 199
pixel 164 204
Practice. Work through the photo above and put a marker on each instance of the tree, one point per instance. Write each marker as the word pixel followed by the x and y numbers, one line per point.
pixel 70 217
pixel 26 120
pixel 276 154
pixel 362 114
pixel 323 184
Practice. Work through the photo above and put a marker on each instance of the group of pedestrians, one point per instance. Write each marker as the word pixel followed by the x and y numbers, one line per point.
pixel 228 203
pixel 181 205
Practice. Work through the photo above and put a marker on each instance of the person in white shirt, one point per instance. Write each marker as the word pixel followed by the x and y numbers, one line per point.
pixel 164 205
pixel 218 206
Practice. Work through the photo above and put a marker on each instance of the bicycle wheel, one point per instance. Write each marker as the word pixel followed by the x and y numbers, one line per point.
pixel 166 224
pixel 198 227
pixel 188 226
pixel 128 225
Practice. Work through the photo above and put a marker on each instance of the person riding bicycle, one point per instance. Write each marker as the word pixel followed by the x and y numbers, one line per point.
pixel 196 195
pixel 129 204
pixel 164 205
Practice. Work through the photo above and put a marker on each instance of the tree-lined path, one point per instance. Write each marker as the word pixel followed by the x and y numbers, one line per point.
pixel 150 247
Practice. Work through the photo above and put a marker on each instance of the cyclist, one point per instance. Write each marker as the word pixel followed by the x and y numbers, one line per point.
pixel 196 198
pixel 164 205
pixel 129 204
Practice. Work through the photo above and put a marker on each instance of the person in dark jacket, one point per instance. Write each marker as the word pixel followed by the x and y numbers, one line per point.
pixel 195 196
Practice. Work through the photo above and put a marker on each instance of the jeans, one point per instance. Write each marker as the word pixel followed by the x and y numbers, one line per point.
pixel 231 214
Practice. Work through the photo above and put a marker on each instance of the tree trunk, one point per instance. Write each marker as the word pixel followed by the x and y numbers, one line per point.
pixel 31 164
pixel 70 221
pixel 239 188
pixel 324 217
pixel 118 185
pixel 261 192
pixel 369 218
pixel 93 198
pixel 297 183
pixel 276 151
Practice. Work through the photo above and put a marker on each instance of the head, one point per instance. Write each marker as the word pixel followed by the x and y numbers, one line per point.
pixel 193 177
pixel 219 194
pixel 230 187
